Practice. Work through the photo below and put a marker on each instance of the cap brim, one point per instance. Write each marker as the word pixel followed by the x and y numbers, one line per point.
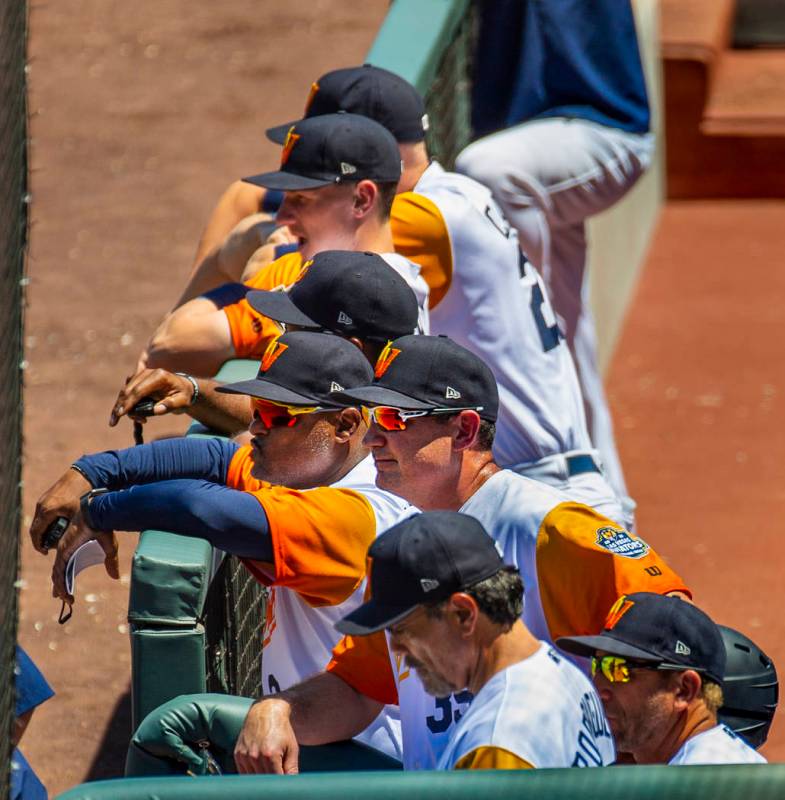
pixel 265 390
pixel 278 133
pixel 279 306
pixel 286 181
pixel 589 645
pixel 382 396
pixel 371 618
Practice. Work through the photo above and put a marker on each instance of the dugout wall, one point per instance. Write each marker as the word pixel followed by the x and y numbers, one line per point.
pixel 13 237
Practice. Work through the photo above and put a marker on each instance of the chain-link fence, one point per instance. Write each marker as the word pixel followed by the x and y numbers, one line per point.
pixel 448 98
pixel 234 617
pixel 13 231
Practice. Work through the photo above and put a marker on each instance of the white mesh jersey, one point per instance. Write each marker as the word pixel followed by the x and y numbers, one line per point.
pixel 493 302
pixel 718 745
pixel 320 541
pixel 542 711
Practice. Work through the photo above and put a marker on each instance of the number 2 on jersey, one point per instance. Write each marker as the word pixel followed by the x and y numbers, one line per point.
pixel 550 335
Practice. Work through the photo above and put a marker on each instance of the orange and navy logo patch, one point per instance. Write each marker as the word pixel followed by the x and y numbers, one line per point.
pixel 289 142
pixel 386 357
pixel 273 353
pixel 621 542
pixel 618 610
pixel 311 96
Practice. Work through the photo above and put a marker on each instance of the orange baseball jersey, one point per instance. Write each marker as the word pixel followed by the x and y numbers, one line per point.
pixel 574 564
pixel 320 539
pixel 251 331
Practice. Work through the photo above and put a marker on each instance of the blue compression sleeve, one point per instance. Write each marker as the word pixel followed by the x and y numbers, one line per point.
pixel 208 459
pixel 230 519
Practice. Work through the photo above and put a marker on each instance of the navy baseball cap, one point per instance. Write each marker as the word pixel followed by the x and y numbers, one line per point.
pixel 349 293
pixel 370 91
pixel 423 559
pixel 420 373
pixel 333 148
pixel 305 368
pixel 658 629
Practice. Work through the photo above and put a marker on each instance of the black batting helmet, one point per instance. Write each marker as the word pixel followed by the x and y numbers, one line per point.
pixel 750 688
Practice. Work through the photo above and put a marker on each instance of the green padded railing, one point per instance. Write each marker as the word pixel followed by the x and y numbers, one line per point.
pixel 761 782
pixel 189 635
pixel 429 43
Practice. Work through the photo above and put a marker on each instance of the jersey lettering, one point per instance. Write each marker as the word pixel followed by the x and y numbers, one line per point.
pixel 444 714
pixel 593 726
pixel 273 687
pixel 653 571
pixel 498 221
pixel 550 334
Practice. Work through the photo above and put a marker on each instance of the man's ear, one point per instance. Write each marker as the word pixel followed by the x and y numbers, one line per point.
pixel 349 420
pixel 467 428
pixel 365 196
pixel 464 611
pixel 687 688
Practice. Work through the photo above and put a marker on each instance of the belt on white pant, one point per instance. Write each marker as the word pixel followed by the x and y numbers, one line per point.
pixel 574 462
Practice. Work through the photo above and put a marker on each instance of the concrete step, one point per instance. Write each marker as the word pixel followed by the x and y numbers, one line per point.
pixel 747 95
pixel 724 109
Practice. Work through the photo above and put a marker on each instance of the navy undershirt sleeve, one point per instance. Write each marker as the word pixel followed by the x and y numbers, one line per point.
pixel 229 519
pixel 190 457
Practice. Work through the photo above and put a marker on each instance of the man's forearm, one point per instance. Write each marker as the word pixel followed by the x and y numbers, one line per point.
pixel 326 709
pixel 207 459
pixel 222 413
pixel 230 519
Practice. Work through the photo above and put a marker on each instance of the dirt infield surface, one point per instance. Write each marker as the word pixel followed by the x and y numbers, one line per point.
pixel 142 113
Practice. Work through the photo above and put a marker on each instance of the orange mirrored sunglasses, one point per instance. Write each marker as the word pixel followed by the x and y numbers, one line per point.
pixel 279 415
pixel 390 418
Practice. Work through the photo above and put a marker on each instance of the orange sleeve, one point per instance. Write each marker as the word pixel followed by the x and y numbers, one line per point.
pixel 585 562
pixel 491 758
pixel 252 332
pixel 320 540
pixel 239 473
pixel 364 663
pixel 420 233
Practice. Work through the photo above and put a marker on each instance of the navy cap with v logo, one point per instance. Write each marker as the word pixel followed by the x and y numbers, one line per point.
pixel 333 148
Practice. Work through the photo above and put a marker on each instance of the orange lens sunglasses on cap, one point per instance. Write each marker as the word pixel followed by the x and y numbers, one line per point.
pixel 280 415
pixel 390 418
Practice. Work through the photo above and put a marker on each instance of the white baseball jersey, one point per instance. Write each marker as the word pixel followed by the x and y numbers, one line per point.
pixel 410 272
pixel 540 712
pixel 486 297
pixel 574 564
pixel 718 745
pixel 252 332
pixel 320 541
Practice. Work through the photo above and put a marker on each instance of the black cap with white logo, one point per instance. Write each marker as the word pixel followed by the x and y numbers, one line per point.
pixel 370 91
pixel 305 368
pixel 331 149
pixel 349 293
pixel 423 559
pixel 420 373
pixel 657 629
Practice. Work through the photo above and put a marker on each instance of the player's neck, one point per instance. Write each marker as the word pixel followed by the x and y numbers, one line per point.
pixel 697 720
pixel 414 158
pixel 374 237
pixel 499 651
pixel 356 452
